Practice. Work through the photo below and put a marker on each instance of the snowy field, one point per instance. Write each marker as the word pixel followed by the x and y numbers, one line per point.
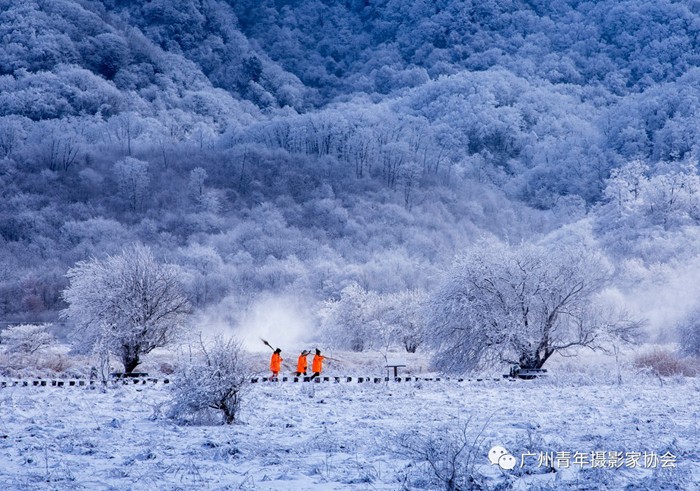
pixel 360 436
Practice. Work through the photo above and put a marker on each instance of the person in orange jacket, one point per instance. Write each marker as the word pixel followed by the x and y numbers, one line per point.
pixel 302 364
pixel 317 363
pixel 276 362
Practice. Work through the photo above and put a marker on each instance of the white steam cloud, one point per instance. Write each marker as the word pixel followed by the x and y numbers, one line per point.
pixel 285 321
pixel 664 296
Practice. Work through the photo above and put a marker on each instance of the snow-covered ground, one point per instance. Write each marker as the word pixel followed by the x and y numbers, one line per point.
pixel 360 436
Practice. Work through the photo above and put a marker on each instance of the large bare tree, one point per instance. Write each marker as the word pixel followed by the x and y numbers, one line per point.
pixel 520 305
pixel 130 304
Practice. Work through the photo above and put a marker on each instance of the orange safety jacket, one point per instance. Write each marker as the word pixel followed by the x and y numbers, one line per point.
pixel 302 364
pixel 275 362
pixel 317 364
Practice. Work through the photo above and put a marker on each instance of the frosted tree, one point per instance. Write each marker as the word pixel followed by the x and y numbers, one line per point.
pixel 12 133
pixel 404 312
pixel 671 199
pixel 349 321
pixel 205 266
pixel 56 144
pixel 132 181
pixel 26 338
pixel 127 127
pixel 196 183
pixel 624 187
pixel 520 305
pixel 688 330
pixel 130 303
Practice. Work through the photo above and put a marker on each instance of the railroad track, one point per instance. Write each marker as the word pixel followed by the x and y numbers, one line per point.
pixel 80 382
pixel 375 380
pixel 141 381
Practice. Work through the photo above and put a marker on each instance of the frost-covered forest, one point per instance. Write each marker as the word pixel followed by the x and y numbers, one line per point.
pixel 296 153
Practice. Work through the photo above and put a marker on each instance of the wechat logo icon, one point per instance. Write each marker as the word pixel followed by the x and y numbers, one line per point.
pixel 501 457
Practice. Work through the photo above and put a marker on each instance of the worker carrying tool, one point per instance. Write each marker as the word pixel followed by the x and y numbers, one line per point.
pixel 276 360
pixel 317 363
pixel 302 363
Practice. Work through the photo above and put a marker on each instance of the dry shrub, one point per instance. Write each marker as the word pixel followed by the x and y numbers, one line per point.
pixel 37 365
pixel 446 457
pixel 211 385
pixel 666 363
pixel 166 368
pixel 56 363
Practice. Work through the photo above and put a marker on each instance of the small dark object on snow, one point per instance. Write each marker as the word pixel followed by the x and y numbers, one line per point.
pixel 119 375
pixel 395 364
pixel 526 373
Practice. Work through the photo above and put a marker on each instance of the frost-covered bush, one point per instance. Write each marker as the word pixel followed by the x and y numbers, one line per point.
pixel 26 338
pixel 211 385
pixel 447 457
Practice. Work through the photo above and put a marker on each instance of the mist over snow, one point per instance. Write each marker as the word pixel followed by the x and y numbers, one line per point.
pixel 282 320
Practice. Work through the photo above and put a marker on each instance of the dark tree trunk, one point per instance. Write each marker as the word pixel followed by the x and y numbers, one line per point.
pixel 130 358
pixel 529 361
pixel 229 415
pixel 229 406
pixel 357 345
pixel 131 364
